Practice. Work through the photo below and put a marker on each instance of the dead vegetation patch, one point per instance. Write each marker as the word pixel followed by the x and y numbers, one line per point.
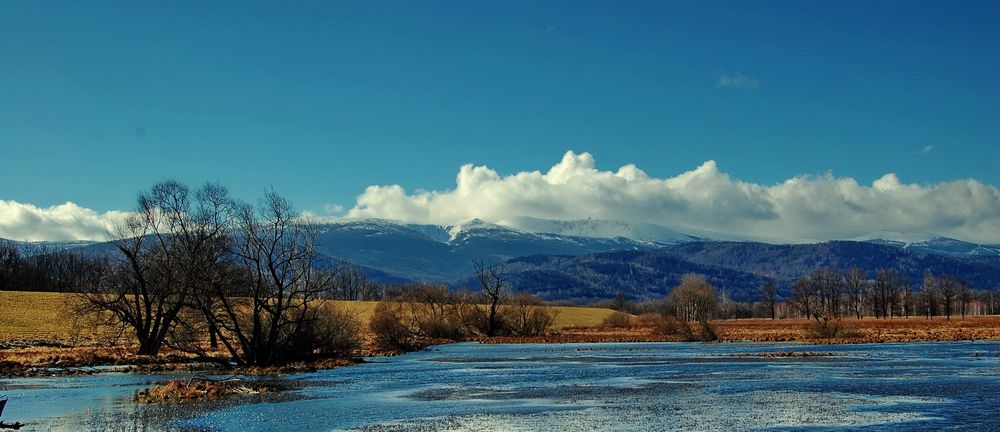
pixel 200 389
pixel 849 330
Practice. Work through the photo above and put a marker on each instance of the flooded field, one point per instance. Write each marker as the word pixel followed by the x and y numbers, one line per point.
pixel 592 387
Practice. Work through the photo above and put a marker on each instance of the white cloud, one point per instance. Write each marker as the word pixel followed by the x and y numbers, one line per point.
pixel 737 80
pixel 925 149
pixel 67 221
pixel 798 209
pixel 801 208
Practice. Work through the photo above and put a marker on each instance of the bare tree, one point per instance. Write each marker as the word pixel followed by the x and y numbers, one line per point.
pixel 10 265
pixel 493 279
pixel 695 300
pixel 769 297
pixel 275 316
pixel 432 312
pixel 827 284
pixel 929 295
pixel 166 248
pixel 350 283
pixel 804 297
pixel 948 289
pixel 857 288
pixel 528 317
pixel 884 292
pixel 620 303
pixel 965 298
pixel 905 297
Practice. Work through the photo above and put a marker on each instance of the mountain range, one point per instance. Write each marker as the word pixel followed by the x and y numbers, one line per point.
pixel 592 259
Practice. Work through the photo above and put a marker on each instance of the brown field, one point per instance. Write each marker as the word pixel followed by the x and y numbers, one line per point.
pixel 867 330
pixel 910 329
pixel 40 330
pixel 36 316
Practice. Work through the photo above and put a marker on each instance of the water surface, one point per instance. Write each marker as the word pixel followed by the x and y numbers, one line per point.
pixel 587 387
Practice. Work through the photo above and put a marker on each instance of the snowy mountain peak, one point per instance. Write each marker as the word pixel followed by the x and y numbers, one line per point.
pixel 478 227
pixel 598 228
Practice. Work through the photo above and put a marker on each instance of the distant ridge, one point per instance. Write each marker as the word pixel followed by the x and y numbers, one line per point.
pixel 593 258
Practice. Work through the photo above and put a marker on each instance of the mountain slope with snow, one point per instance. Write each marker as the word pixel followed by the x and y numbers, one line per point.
pixel 597 228
pixel 930 243
pixel 444 253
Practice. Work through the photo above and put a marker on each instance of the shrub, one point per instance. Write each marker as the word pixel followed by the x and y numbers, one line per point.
pixel 388 329
pixel 431 312
pixel 476 318
pixel 649 319
pixel 528 317
pixel 328 332
pixel 198 389
pixel 707 332
pixel 617 320
pixel 669 325
pixel 338 333
pixel 825 328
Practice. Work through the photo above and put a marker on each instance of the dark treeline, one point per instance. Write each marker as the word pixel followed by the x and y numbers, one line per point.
pixel 832 294
pixel 885 294
pixel 54 271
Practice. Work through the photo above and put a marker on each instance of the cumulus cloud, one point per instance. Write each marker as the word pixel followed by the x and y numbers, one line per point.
pixel 67 221
pixel 737 80
pixel 803 208
pixel 925 149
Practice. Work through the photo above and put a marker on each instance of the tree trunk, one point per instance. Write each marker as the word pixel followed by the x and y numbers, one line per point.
pixel 149 346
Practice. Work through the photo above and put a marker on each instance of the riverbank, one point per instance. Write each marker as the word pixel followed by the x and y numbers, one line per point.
pixel 851 330
pixel 39 335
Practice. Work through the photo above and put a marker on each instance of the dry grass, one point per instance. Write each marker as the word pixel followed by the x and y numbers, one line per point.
pixel 39 330
pixel 866 330
pixel 176 391
pixel 35 316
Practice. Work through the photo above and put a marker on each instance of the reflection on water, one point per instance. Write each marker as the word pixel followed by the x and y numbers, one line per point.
pixel 676 386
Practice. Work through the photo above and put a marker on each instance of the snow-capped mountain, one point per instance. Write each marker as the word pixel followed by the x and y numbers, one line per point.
pixel 397 251
pixel 443 253
pixel 930 243
pixel 597 228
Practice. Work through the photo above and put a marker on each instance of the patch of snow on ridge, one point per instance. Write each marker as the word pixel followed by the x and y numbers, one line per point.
pixel 906 238
pixel 598 228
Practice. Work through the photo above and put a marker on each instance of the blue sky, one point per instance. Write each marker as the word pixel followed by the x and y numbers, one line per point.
pixel 322 99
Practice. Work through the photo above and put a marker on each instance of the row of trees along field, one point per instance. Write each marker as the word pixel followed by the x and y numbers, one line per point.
pixel 45 270
pixel 833 294
pixel 853 293
pixel 244 283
